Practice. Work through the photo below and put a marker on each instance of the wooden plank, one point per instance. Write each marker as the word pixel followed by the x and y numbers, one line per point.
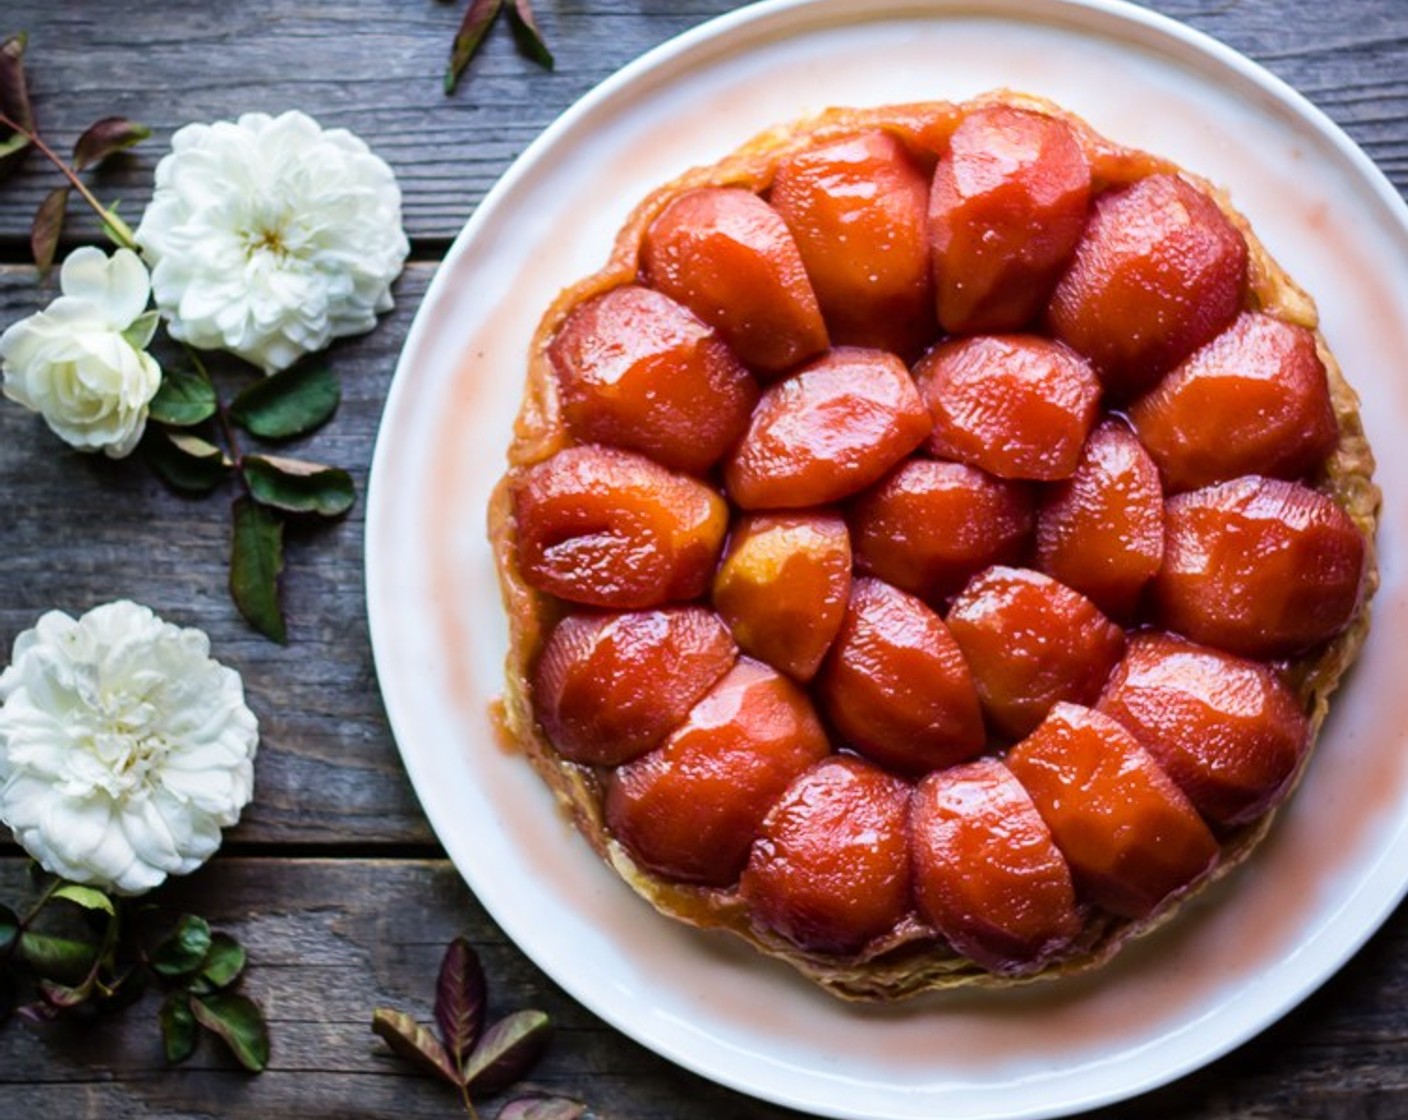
pixel 331 940
pixel 76 531
pixel 350 63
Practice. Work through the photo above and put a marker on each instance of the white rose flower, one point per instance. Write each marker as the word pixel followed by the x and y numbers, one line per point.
pixel 124 748
pixel 82 363
pixel 269 236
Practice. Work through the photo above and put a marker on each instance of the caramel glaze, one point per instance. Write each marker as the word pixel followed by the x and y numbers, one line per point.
pixel 912 957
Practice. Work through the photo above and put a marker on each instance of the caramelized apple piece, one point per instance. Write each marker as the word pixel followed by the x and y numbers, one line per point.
pixel 1159 271
pixel 1102 530
pixel 830 868
pixel 608 687
pixel 639 371
pixel 1131 837
pixel 613 529
pixel 726 255
pixel 827 431
pixel 895 685
pixel 1008 205
pixel 1254 400
pixel 987 874
pixel 783 586
pixel 931 524
pixel 857 209
pixel 1226 730
pixel 1031 641
pixel 690 809
pixel 1019 406
pixel 1258 566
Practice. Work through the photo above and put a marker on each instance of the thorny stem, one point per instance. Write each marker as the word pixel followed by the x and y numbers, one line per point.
pixel 115 226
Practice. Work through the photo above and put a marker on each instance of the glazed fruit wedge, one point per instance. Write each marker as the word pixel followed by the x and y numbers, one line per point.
pixel 729 257
pixel 932 524
pixel 783 586
pixel 691 808
pixel 1101 531
pixel 1132 838
pixel 829 430
pixel 830 868
pixel 987 872
pixel 858 211
pixel 637 370
pixel 930 544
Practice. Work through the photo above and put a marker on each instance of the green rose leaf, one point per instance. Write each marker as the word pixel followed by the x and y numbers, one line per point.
pixel 185 950
pixel 223 964
pixel 238 1021
pixel 526 33
pixel 296 486
pixel 185 461
pixel 411 1041
pixel 14 103
pixel 461 994
pixel 106 137
pixel 178 1027
pixel 48 225
pixel 9 930
pixel 290 403
pixel 256 559
pixel 64 960
pixel 90 898
pixel 507 1051
pixel 542 1108
pixel 477 21
pixel 183 399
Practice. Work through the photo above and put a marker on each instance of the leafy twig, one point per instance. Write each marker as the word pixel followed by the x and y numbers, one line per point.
pixel 475 1059
pixel 118 230
pixel 75 948
pixel 192 438
pixel 478 18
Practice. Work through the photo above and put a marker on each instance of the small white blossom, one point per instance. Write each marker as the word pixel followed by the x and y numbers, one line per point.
pixel 124 748
pixel 82 363
pixel 269 236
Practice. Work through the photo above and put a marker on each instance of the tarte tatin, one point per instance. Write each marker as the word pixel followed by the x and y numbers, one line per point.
pixel 930 544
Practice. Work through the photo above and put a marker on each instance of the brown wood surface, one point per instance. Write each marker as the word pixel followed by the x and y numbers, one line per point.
pixel 333 879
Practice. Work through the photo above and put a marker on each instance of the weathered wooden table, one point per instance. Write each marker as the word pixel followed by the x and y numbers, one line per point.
pixel 333 879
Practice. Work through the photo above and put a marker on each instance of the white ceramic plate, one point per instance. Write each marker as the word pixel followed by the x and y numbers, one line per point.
pixel 1335 865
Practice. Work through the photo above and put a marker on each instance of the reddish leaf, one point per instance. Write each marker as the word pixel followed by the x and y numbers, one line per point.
pixel 507 1051
pixel 542 1108
pixel 409 1040
pixel 525 31
pixel 477 22
pixel 14 104
pixel 48 225
pixel 106 137
pixel 460 995
pixel 238 1021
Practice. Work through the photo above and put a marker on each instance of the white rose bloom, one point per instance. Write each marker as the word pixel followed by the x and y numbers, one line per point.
pixel 82 363
pixel 124 748
pixel 269 236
